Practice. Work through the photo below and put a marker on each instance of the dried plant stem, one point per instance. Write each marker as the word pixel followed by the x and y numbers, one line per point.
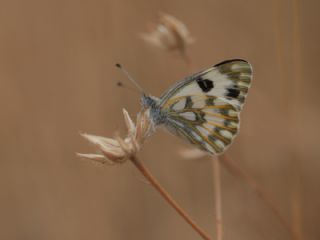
pixel 281 63
pixel 235 170
pixel 147 174
pixel 292 104
pixel 187 59
pixel 296 198
pixel 218 197
pixel 295 111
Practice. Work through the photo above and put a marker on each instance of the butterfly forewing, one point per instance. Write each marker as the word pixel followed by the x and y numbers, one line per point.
pixel 204 108
pixel 229 80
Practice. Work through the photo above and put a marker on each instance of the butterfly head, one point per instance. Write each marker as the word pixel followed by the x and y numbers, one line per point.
pixel 148 101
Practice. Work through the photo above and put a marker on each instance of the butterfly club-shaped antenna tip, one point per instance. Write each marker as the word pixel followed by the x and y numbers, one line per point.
pixel 120 84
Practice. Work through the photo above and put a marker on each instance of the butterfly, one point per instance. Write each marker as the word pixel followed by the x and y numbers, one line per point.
pixel 204 108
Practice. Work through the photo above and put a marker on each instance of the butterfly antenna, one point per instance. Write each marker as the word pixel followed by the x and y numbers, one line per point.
pixel 129 77
pixel 122 85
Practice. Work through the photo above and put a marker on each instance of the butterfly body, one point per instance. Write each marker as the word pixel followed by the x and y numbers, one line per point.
pixel 204 108
pixel 157 115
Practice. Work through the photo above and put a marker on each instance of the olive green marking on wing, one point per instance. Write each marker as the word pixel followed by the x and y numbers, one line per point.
pixel 189 102
pixel 239 76
pixel 188 133
pixel 210 101
pixel 234 66
pixel 210 141
pixel 233 130
pixel 199 116
pixel 215 134
pixel 240 73
pixel 207 122
pixel 218 115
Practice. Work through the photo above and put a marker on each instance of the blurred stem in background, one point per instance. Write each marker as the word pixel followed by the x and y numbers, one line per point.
pixel 119 150
pixel 217 197
pixel 238 172
pixel 295 109
pixel 147 174
pixel 171 35
pixel 291 89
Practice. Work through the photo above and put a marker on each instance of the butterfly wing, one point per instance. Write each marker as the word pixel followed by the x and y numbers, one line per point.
pixel 228 80
pixel 204 108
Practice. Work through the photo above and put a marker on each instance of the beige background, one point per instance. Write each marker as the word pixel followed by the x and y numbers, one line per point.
pixel 58 78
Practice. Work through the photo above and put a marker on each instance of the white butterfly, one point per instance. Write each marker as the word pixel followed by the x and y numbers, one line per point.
pixel 204 108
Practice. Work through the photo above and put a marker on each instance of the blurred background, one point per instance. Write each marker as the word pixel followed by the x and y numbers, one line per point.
pixel 58 78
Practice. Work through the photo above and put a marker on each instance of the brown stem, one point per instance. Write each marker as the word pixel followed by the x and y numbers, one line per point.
pixel 187 59
pixel 259 190
pixel 296 123
pixel 296 198
pixel 217 196
pixel 145 172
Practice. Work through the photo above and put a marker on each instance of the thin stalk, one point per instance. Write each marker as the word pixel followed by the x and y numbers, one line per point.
pixel 281 63
pixel 218 197
pixel 296 123
pixel 187 59
pixel 235 170
pixel 147 174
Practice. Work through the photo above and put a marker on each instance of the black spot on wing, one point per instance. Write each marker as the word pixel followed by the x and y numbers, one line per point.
pixel 205 84
pixel 200 117
pixel 189 103
pixel 229 61
pixel 234 93
pixel 210 101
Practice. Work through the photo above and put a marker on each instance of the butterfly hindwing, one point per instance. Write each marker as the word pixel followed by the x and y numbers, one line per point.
pixel 206 121
pixel 204 108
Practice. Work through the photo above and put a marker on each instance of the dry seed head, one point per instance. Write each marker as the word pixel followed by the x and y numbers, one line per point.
pixel 192 153
pixel 118 150
pixel 170 34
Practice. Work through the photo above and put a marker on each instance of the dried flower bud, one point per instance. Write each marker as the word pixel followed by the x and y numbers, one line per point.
pixel 192 153
pixel 118 150
pixel 170 34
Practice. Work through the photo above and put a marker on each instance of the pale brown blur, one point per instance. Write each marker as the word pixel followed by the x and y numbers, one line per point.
pixel 58 78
